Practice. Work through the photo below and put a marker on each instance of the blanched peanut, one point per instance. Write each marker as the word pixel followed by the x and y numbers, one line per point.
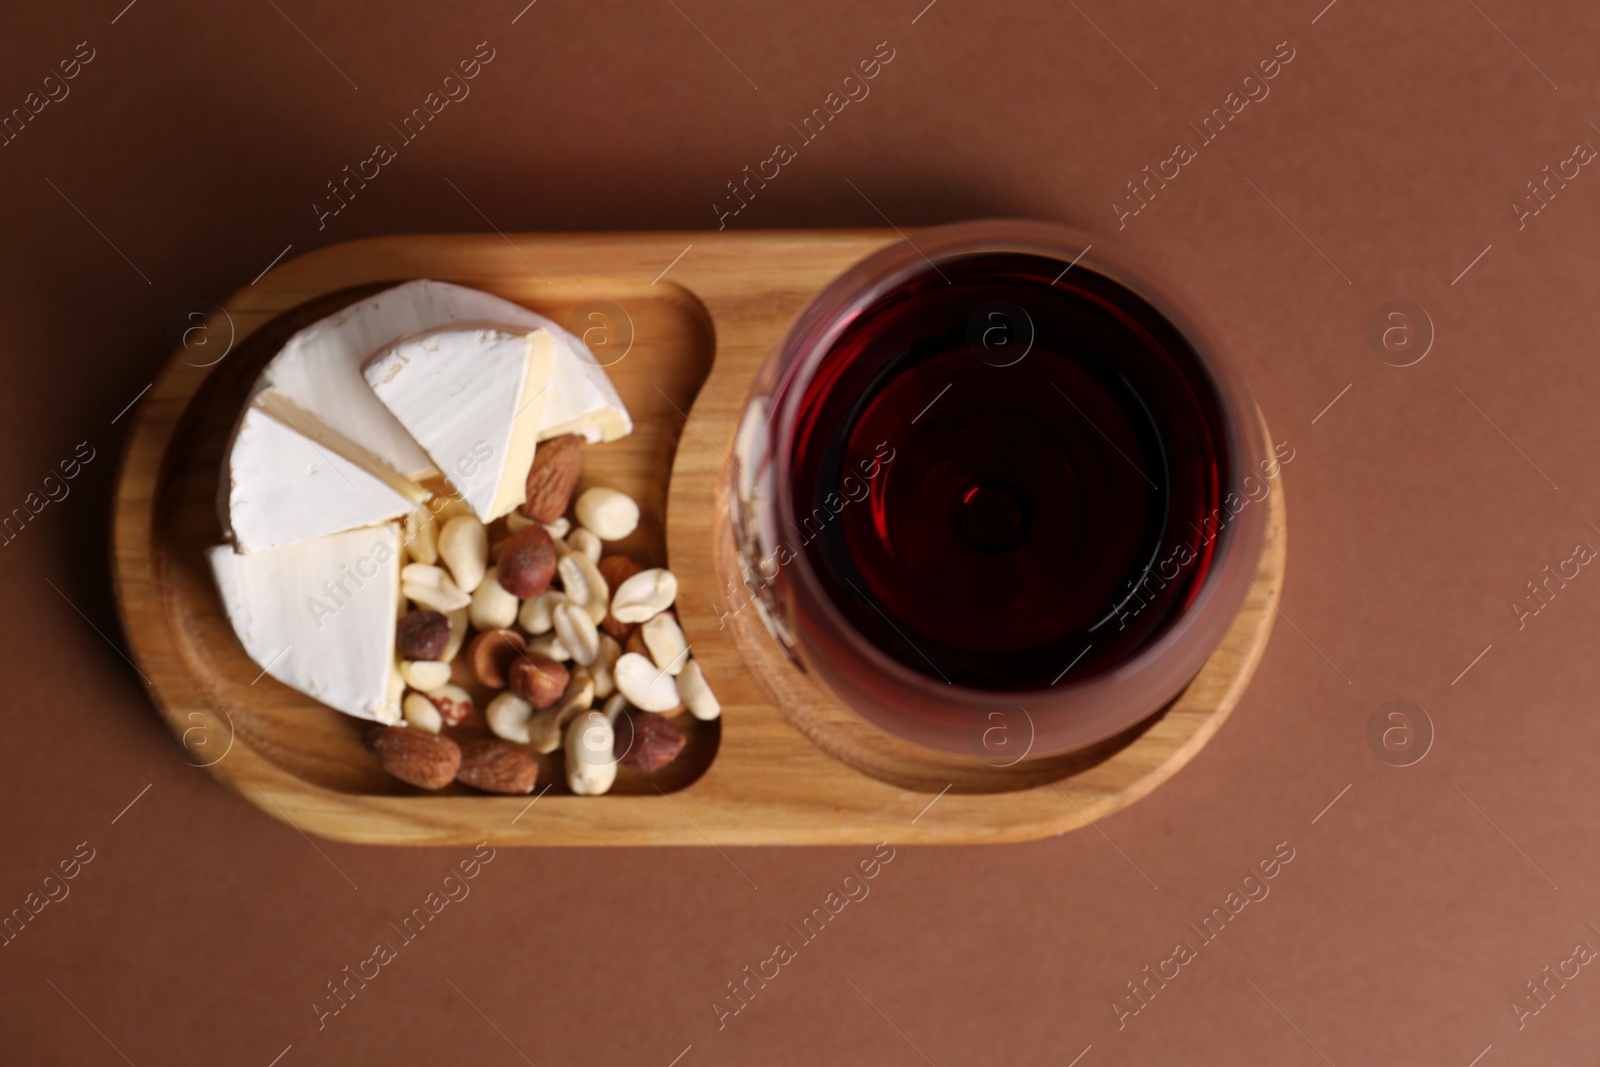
pixel 646 686
pixel 664 638
pixel 429 586
pixel 492 607
pixel 549 646
pixel 583 584
pixel 696 693
pixel 591 766
pixel 644 596
pixel 602 670
pixel 576 630
pixel 421 713
pixel 536 616
pixel 586 541
pixel 425 674
pixel 508 716
pixel 610 514
pixel 458 634
pixel 464 547
pixel 420 536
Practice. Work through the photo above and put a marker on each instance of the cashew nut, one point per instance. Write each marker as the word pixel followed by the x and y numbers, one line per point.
pixel 464 546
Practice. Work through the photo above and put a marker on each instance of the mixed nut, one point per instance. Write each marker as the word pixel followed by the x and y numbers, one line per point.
pixel 581 648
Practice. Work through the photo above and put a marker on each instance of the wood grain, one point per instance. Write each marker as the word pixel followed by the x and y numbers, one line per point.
pixel 809 773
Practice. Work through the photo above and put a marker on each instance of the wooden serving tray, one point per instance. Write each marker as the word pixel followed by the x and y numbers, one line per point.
pixel 783 765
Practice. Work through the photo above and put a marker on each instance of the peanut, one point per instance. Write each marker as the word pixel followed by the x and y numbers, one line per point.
pixel 464 547
pixel 644 596
pixel 610 514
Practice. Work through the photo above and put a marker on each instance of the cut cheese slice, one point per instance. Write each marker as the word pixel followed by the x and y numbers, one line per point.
pixel 582 399
pixel 319 369
pixel 471 395
pixel 284 485
pixel 319 615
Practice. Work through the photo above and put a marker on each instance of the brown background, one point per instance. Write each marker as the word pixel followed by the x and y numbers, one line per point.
pixel 196 141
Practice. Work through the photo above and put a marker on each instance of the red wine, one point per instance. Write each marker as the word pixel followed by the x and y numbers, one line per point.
pixel 1003 474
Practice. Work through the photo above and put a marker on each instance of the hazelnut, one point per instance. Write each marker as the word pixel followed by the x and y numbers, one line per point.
pixel 421 635
pixel 653 742
pixel 538 680
pixel 527 563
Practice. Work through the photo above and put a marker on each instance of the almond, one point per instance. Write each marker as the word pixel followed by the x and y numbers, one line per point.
pixel 539 680
pixel 556 466
pixel 635 642
pixel 527 563
pixel 617 569
pixel 497 766
pixel 428 761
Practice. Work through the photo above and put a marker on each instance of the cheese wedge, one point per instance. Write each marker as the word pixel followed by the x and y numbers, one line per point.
pixel 582 399
pixel 319 368
pixel 472 396
pixel 283 485
pixel 319 615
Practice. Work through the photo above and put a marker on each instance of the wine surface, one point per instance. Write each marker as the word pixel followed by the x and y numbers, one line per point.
pixel 1006 476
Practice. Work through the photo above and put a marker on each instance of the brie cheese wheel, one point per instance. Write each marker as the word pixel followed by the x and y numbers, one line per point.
pixel 282 486
pixel 319 615
pixel 472 396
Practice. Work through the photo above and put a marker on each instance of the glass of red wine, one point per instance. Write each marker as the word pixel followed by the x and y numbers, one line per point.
pixel 993 469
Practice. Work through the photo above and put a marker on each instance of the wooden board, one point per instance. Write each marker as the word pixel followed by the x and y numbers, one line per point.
pixel 783 765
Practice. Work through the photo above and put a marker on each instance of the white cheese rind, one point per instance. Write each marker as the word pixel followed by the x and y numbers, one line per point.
pixel 319 616
pixel 472 396
pixel 283 488
pixel 581 399
pixel 319 368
